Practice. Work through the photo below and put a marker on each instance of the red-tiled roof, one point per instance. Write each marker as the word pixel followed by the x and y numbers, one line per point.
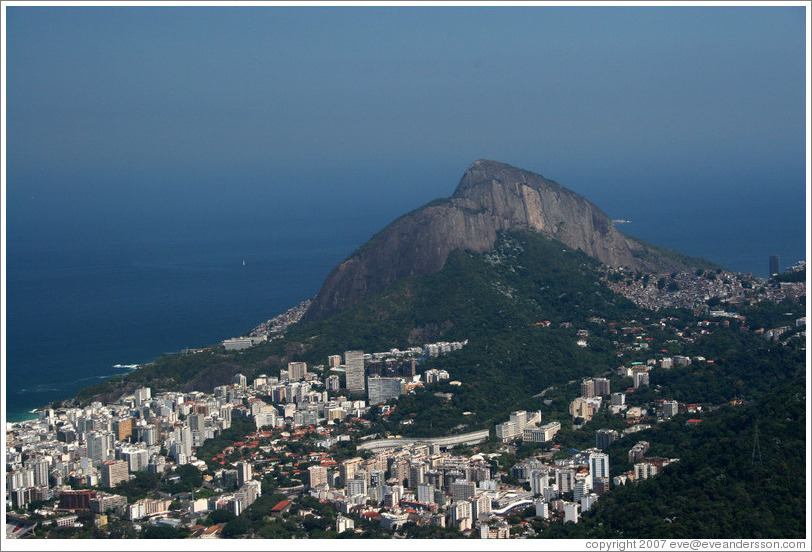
pixel 281 505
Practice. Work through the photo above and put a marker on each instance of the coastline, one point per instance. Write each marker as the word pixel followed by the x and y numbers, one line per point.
pixel 15 418
pixel 273 327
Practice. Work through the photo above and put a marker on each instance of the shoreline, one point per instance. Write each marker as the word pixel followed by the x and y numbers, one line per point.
pixel 22 417
pixel 275 325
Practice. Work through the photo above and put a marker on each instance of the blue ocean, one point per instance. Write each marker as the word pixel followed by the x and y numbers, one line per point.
pixel 90 293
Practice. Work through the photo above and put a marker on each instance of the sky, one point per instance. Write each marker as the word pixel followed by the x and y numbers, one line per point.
pixel 206 95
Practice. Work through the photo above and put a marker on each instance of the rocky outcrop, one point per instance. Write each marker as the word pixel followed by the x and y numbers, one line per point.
pixel 491 197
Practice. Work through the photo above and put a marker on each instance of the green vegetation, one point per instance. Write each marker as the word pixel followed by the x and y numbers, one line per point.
pixel 163 532
pixel 790 276
pixel 717 489
pixel 773 315
pixel 521 307
pixel 493 300
pixel 672 255
pixel 239 428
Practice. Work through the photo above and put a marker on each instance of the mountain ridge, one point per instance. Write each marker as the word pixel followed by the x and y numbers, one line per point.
pixel 491 197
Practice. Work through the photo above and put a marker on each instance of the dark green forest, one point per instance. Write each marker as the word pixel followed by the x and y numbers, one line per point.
pixel 719 488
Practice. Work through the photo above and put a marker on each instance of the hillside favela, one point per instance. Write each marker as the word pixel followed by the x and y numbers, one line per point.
pixel 503 363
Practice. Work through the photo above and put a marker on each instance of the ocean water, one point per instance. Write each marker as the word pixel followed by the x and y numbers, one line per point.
pixel 77 308
pixel 83 298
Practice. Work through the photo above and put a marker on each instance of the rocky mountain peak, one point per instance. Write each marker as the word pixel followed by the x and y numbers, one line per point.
pixel 491 197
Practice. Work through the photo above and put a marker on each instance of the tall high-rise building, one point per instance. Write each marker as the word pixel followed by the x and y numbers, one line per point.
pixel 297 371
pixel 244 473
pixel 417 473
pixel 318 475
pixel 461 490
pixel 775 264
pixel 99 447
pixel 565 479
pixel 354 363
pixel 197 422
pixel 602 386
pixel 409 369
pixel 598 465
pixel 142 395
pixel 357 485
pixel 539 481
pixel 334 361
pixel 644 470
pixel 122 428
pixel 519 418
pixel 425 493
pixel 588 388
pixel 113 473
pixel 399 471
pixel 638 451
pixel 147 434
pixel 670 409
pixel 605 437
pixel 183 444
pixel 640 379
pixel 137 458
pixel 347 469
pixel 618 399
pixel 39 467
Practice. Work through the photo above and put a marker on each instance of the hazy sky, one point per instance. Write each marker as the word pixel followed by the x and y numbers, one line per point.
pixel 116 108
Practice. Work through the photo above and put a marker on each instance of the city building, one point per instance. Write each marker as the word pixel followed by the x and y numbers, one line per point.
pixel 775 264
pixel 122 429
pixel 76 500
pixel 244 473
pixel 318 476
pixel 644 470
pixel 142 395
pixel 383 389
pixel 571 512
pixel 541 434
pixel 598 466
pixel 113 473
pixel 297 371
pixel 354 370
pixel 582 407
pixel 425 493
pixel 565 479
pixel 460 490
pixel 670 409
pixel 515 426
pixel 344 523
pixel 638 451
pixel 348 468
pixel 99 447
pixel 641 379
pixel 605 437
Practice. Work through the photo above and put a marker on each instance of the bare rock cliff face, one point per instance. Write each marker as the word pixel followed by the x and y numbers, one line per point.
pixel 491 197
